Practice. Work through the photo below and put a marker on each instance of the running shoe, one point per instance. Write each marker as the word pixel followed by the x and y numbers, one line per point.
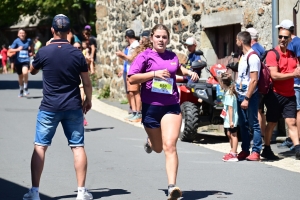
pixel 243 155
pixel 31 195
pixel 21 94
pixel 136 118
pixel 174 193
pixel 129 116
pixel 286 144
pixel 84 196
pixel 230 158
pixel 268 154
pixel 147 147
pixel 297 152
pixel 26 93
pixel 254 156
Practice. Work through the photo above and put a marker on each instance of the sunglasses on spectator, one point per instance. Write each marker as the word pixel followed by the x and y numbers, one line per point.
pixel 283 36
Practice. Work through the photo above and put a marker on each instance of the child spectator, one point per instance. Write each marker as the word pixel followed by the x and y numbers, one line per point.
pixel 87 55
pixel 4 58
pixel 230 115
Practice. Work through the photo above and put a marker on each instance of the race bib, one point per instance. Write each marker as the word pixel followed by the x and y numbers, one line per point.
pixel 162 86
pixel 23 54
pixel 223 113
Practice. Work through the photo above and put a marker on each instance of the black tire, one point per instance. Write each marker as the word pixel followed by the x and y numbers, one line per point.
pixel 190 121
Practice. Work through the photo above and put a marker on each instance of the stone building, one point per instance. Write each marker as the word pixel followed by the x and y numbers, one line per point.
pixel 214 24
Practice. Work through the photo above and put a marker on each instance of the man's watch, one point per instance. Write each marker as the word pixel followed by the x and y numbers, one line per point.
pixel 247 98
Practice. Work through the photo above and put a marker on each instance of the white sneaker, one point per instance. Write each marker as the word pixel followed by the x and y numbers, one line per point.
pixel 174 193
pixel 84 196
pixel 31 195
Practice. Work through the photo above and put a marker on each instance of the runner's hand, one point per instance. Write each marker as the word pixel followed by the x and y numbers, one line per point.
pixel 231 125
pixel 162 74
pixel 19 48
pixel 87 105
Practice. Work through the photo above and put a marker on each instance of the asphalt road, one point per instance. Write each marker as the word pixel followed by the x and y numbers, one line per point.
pixel 118 167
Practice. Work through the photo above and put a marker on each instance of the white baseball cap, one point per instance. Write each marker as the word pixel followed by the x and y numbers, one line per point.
pixel 190 41
pixel 286 24
pixel 253 32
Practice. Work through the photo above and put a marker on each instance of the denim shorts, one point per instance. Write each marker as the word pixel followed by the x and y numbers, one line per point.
pixel 72 123
pixel 152 114
pixel 297 93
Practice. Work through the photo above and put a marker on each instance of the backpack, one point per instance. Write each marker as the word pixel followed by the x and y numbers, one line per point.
pixel 264 83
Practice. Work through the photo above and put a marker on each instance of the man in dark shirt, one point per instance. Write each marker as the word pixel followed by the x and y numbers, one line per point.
pixel 63 66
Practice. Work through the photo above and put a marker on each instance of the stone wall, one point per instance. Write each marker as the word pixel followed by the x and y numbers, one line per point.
pixel 184 18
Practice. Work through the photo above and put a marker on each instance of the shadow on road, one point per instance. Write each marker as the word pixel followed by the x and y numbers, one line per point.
pixel 11 85
pixel 198 194
pixel 34 97
pixel 210 139
pixel 104 192
pixel 97 129
pixel 10 190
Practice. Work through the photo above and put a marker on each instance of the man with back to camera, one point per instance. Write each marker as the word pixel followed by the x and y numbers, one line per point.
pixel 61 104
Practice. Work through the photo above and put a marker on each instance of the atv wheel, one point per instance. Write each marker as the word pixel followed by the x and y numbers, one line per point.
pixel 190 121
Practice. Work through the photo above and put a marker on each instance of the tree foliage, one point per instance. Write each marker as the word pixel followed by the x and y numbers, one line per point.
pixel 79 11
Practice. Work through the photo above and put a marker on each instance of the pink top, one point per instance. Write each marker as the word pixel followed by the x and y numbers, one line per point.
pixel 148 61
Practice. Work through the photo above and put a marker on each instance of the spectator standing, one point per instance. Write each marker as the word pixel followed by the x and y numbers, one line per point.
pixel 4 59
pixel 37 44
pixel 230 115
pixel 124 74
pixel 61 104
pixel 155 68
pixel 248 98
pixel 260 51
pixel 133 89
pixel 281 101
pixel 92 43
pixel 293 46
pixel 22 48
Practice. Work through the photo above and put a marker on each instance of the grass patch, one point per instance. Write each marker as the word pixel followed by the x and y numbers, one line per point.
pixel 105 92
pixel 124 101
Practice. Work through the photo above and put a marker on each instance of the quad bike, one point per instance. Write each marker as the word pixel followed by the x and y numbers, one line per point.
pixel 201 101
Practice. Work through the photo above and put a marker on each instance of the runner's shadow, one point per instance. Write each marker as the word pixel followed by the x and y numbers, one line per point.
pixel 34 97
pixel 105 192
pixel 10 85
pixel 210 139
pixel 198 194
pixel 96 129
pixel 287 154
